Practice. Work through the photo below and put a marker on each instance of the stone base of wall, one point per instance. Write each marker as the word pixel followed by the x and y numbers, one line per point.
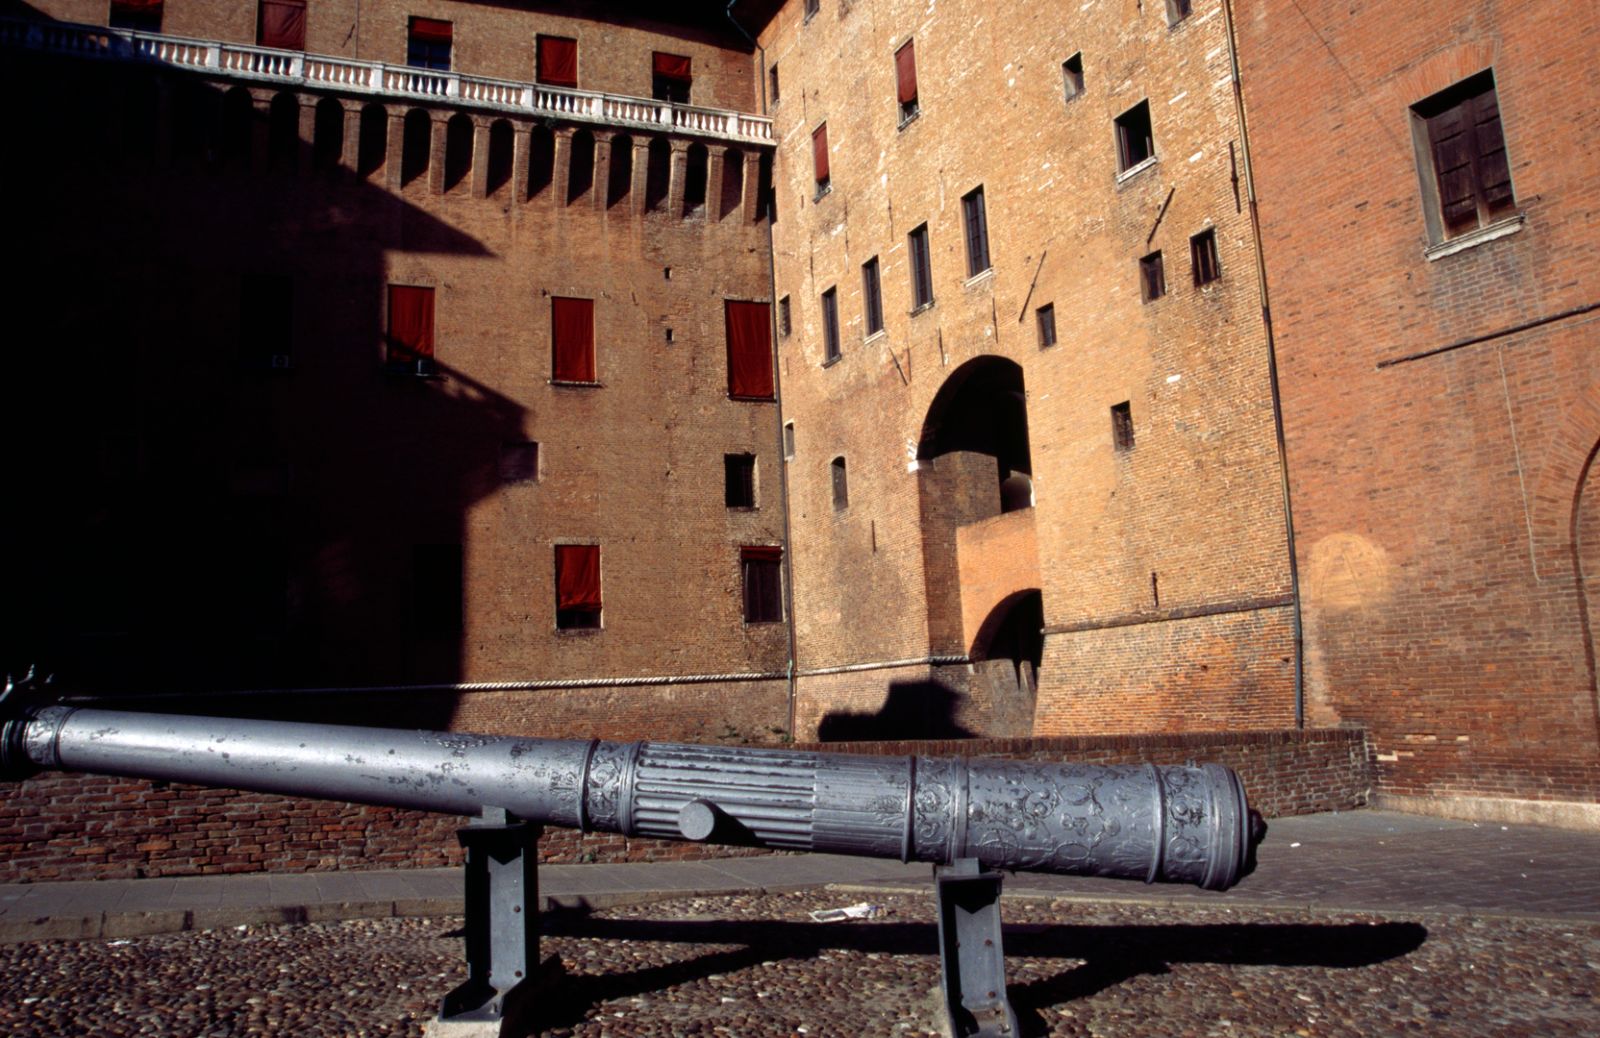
pixel 1562 814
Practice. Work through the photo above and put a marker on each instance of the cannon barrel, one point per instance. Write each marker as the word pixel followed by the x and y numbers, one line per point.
pixel 1186 824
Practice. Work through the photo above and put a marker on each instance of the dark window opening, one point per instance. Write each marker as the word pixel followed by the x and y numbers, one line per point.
pixel 327 134
pixel 416 146
pixel 196 110
pixel 872 296
pixel 572 340
pixel 519 462
pixel 905 72
pixel 1122 426
pixel 373 148
pixel 819 159
pixel 428 44
pixel 436 589
pixel 1046 317
pixel 1462 146
pixel 670 78
pixel 1178 10
pixel 749 334
pixel 1072 76
pixel 788 439
pixel 784 327
pixel 830 326
pixel 458 133
pixel 812 7
pixel 1203 257
pixel 696 171
pixel 766 194
pixel 619 173
pixel 541 160
pixel 557 61
pixel 739 480
pixel 658 174
pixel 732 193
pixel 839 481
pixel 761 573
pixel 1135 142
pixel 410 336
pixel 238 122
pixel 578 604
pixel 921 269
pixel 281 24
pixel 580 172
pixel 977 227
pixel 1152 278
pixel 772 80
pixel 136 15
pixel 265 320
pixel 283 131
pixel 502 143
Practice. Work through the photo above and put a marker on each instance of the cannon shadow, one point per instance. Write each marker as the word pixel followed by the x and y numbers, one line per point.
pixel 1110 954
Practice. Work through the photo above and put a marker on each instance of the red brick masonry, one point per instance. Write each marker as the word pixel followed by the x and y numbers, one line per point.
pixel 55 827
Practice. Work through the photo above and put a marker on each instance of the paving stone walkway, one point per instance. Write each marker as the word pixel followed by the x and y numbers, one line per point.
pixel 1361 860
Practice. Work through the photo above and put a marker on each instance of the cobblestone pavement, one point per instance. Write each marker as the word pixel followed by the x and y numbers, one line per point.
pixel 756 966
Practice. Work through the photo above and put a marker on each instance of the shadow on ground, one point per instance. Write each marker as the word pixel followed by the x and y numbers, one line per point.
pixel 1109 954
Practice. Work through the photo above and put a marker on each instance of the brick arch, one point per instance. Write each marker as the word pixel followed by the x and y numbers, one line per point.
pixel 1563 464
pixel 1586 563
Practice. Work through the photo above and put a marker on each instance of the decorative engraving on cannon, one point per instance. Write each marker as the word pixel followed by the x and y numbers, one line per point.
pixel 968 817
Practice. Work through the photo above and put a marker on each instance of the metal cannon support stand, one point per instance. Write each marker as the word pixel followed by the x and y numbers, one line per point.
pixel 972 964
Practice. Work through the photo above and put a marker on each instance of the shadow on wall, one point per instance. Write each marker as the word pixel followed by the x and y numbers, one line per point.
pixel 913 710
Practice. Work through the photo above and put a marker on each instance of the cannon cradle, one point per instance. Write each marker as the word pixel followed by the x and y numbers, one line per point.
pixel 1180 824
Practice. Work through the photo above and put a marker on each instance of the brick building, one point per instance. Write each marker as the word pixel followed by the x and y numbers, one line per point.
pixel 889 371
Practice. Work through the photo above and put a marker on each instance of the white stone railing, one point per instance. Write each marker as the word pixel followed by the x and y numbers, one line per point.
pixel 399 82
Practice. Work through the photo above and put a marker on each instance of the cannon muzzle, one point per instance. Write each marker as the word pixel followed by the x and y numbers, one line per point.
pixel 1188 824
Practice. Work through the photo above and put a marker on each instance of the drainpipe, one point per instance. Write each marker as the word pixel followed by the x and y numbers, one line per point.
pixel 1272 369
pixel 777 386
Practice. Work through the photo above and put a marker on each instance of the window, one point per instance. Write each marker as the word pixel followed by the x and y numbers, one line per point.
pixel 812 7
pixel 519 462
pixel 905 72
pixel 772 80
pixel 739 480
pixel 1203 257
pixel 784 327
pixel 871 297
pixel 749 333
pixel 788 440
pixel 840 483
pixel 1046 318
pixel 428 44
pixel 1461 150
pixel 1152 278
pixel 136 15
pixel 281 24
pixel 410 337
pixel 1178 10
pixel 670 78
pixel 1134 141
pixel 921 271
pixel 264 320
pixel 830 326
pixel 977 225
pixel 1122 426
pixel 761 572
pixel 577 587
pixel 436 589
pixel 819 158
pixel 572 340
pixel 557 58
pixel 1072 75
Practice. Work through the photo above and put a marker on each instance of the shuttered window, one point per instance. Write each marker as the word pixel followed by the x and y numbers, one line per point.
pixel 572 340
pixel 761 573
pixel 905 73
pixel 819 158
pixel 577 586
pixel 921 271
pixel 410 338
pixel 428 44
pixel 281 24
pixel 749 333
pixel 1467 152
pixel 976 220
pixel 670 77
pixel 872 296
pixel 557 61
pixel 830 326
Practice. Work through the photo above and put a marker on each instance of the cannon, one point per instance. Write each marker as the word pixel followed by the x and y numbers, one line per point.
pixel 970 818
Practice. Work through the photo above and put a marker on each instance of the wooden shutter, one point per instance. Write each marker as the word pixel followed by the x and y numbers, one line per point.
pixel 572 340
pixel 1489 153
pixel 905 70
pixel 819 153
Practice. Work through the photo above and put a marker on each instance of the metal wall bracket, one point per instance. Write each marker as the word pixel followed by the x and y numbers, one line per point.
pixel 502 924
pixel 971 958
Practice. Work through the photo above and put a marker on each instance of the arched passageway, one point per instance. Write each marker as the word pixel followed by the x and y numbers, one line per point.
pixel 1006 654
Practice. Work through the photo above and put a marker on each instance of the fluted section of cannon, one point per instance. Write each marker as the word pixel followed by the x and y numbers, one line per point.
pixel 772 796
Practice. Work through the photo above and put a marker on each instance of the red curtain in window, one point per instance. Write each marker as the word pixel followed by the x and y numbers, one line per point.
pixel 136 6
pixel 671 66
pixel 819 152
pixel 578 576
pixel 282 24
pixel 749 349
pixel 558 61
pixel 430 29
pixel 410 322
pixel 572 335
pixel 905 68
pixel 762 553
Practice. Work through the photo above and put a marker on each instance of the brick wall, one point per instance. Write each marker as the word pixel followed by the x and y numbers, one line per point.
pixel 61 827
